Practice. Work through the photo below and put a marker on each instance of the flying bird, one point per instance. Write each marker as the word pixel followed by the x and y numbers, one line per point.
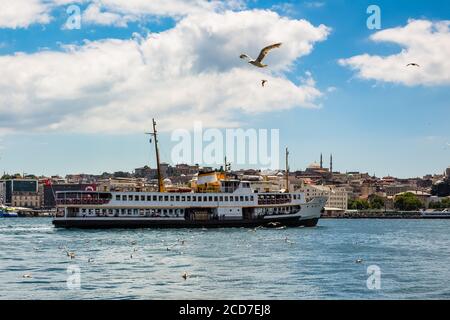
pixel 263 82
pixel 412 64
pixel 258 61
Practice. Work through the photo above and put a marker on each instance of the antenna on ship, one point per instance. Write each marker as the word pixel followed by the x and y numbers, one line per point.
pixel 287 170
pixel 154 135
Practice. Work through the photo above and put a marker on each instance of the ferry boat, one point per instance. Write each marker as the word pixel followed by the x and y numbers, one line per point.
pixel 215 201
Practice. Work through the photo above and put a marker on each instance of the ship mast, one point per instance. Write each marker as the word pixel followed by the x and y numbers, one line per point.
pixel 287 170
pixel 158 166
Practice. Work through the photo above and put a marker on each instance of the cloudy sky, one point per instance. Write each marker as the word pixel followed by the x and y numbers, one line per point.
pixel 78 98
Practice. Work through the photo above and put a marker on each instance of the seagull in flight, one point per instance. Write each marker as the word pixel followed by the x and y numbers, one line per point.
pixel 412 64
pixel 258 61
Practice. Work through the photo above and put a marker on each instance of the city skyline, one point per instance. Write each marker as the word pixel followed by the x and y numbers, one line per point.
pixel 80 100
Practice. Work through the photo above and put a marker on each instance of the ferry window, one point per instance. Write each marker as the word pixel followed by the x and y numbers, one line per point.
pixel 142 198
pixel 118 197
pixel 166 198
pixel 177 198
pixel 170 210
pixel 124 198
pixel 165 211
pixel 241 198
pixel 205 198
pixel 188 198
pixel 135 211
pixel 149 198
pixel 246 198
pixel 251 198
pixel 216 199
pixel 199 199
pixel 183 198
pixel 83 210
pixel 129 211
pixel 123 211
pixel 154 198
pixel 160 198
pixel 236 198
pixel 210 198
pixel 194 198
pixel 136 198
pixel 226 198
pixel 117 211
pixel 171 198
pixel 220 198
pixel 130 198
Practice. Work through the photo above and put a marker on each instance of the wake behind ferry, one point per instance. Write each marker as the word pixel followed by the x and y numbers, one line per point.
pixel 216 200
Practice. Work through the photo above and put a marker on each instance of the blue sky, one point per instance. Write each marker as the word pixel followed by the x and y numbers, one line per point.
pixel 371 123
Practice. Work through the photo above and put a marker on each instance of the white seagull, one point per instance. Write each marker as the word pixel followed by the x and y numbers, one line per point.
pixel 258 61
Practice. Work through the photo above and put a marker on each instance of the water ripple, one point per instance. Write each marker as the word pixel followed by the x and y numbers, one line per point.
pixel 294 263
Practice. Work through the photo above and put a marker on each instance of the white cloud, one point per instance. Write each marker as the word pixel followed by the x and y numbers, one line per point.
pixel 314 4
pixel 424 42
pixel 191 71
pixel 94 14
pixel 331 89
pixel 120 12
pixel 22 13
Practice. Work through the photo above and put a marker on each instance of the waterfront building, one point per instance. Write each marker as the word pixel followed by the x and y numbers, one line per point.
pixel 337 196
pixel 20 192
pixel 392 190
pixel 124 185
pixel 26 199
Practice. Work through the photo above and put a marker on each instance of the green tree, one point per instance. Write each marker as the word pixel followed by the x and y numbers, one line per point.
pixel 444 203
pixel 376 202
pixel 358 204
pixel 407 202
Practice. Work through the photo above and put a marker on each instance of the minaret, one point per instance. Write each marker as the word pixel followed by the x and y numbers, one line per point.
pixel 321 162
pixel 331 163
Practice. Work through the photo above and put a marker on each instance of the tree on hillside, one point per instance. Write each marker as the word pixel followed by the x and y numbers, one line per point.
pixel 441 189
pixel 358 204
pixel 407 202
pixel 376 202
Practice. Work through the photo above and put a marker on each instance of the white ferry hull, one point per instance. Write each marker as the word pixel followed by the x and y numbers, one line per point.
pixel 106 223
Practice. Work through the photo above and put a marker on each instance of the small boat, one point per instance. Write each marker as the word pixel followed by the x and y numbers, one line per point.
pixel 436 214
pixel 8 213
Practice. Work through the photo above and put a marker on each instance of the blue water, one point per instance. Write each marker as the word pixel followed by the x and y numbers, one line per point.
pixel 312 263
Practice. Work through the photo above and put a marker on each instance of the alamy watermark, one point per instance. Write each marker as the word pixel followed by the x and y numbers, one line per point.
pixel 374 20
pixel 373 281
pixel 73 281
pixel 74 20
pixel 248 147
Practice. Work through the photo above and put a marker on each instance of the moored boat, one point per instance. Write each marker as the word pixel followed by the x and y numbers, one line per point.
pixel 6 212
